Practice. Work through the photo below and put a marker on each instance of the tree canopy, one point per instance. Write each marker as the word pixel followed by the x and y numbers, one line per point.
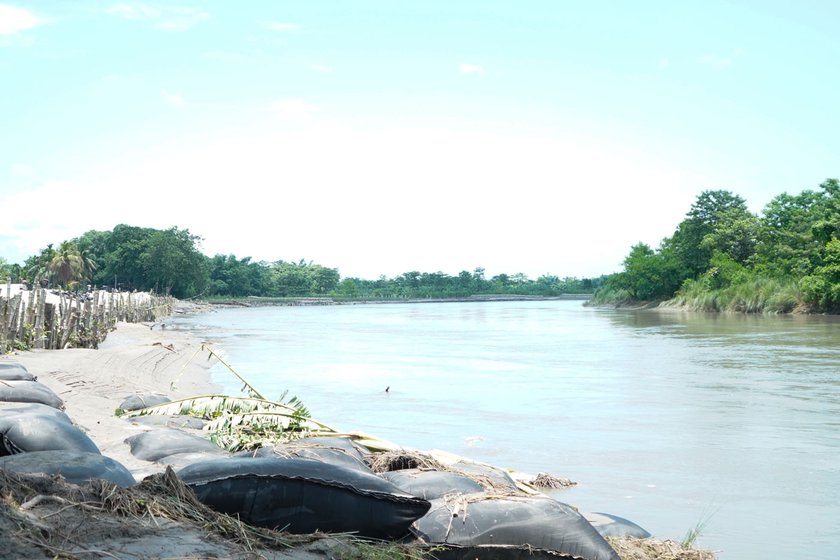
pixel 170 262
pixel 721 254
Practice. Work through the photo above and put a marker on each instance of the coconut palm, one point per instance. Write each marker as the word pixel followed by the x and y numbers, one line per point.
pixel 66 265
pixel 88 265
pixel 38 266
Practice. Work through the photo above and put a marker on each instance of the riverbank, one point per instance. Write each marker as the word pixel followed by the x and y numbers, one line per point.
pixel 142 359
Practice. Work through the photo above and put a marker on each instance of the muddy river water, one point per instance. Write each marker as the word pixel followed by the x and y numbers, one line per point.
pixel 669 419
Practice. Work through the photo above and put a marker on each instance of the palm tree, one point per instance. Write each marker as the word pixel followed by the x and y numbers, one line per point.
pixel 37 266
pixel 88 265
pixel 66 264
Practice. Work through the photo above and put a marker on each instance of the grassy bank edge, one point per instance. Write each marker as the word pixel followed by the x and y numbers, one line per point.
pixel 756 295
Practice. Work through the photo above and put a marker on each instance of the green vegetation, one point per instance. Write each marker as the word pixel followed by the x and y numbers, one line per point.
pixel 170 262
pixel 724 258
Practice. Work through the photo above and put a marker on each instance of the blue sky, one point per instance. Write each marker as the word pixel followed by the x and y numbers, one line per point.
pixel 382 137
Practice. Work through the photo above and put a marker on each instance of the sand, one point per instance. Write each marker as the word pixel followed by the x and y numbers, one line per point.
pixel 134 359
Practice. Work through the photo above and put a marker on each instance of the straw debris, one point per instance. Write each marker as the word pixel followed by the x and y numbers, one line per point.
pixel 629 548
pixel 43 516
pixel 546 480
pixel 403 459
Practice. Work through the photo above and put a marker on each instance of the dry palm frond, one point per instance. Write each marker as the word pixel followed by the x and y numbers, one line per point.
pixel 404 459
pixel 630 548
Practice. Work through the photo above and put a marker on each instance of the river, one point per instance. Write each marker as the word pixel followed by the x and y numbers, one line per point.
pixel 670 419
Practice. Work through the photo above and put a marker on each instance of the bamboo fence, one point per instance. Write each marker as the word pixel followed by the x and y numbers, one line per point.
pixel 28 320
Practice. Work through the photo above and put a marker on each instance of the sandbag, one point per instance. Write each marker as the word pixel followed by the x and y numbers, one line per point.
pixel 29 391
pixel 609 525
pixel 169 421
pixel 77 467
pixel 304 496
pixel 9 409
pixel 181 460
pixel 432 485
pixel 332 455
pixel 492 478
pixel 154 445
pixel 13 371
pixel 137 402
pixel 31 431
pixel 538 522
pixel 344 444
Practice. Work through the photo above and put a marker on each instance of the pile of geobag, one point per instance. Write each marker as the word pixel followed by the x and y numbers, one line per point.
pixel 329 483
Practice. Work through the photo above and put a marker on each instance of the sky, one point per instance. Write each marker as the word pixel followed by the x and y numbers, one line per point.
pixel 380 137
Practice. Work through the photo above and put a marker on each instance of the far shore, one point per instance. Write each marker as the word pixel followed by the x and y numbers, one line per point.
pixel 258 301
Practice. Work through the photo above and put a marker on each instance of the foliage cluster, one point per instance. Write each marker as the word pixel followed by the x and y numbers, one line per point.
pixel 722 257
pixel 170 262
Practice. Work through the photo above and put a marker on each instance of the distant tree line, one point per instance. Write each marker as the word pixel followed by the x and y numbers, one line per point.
pixel 170 262
pixel 723 257
pixel 437 284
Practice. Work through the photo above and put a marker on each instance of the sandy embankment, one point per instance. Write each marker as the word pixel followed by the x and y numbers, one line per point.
pixel 134 359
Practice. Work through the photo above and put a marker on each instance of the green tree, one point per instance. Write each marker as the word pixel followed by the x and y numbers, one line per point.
pixel 173 265
pixel 66 266
pixel 237 277
pixel 38 267
pixel 735 234
pixel 649 274
pixel 290 279
pixel 822 289
pixel 787 245
pixel 348 288
pixel 322 280
pixel 711 213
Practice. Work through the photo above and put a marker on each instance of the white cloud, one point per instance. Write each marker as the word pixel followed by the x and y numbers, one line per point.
pixel 169 18
pixel 14 19
pixel 470 68
pixel 172 99
pixel 293 109
pixel 322 68
pixel 286 27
